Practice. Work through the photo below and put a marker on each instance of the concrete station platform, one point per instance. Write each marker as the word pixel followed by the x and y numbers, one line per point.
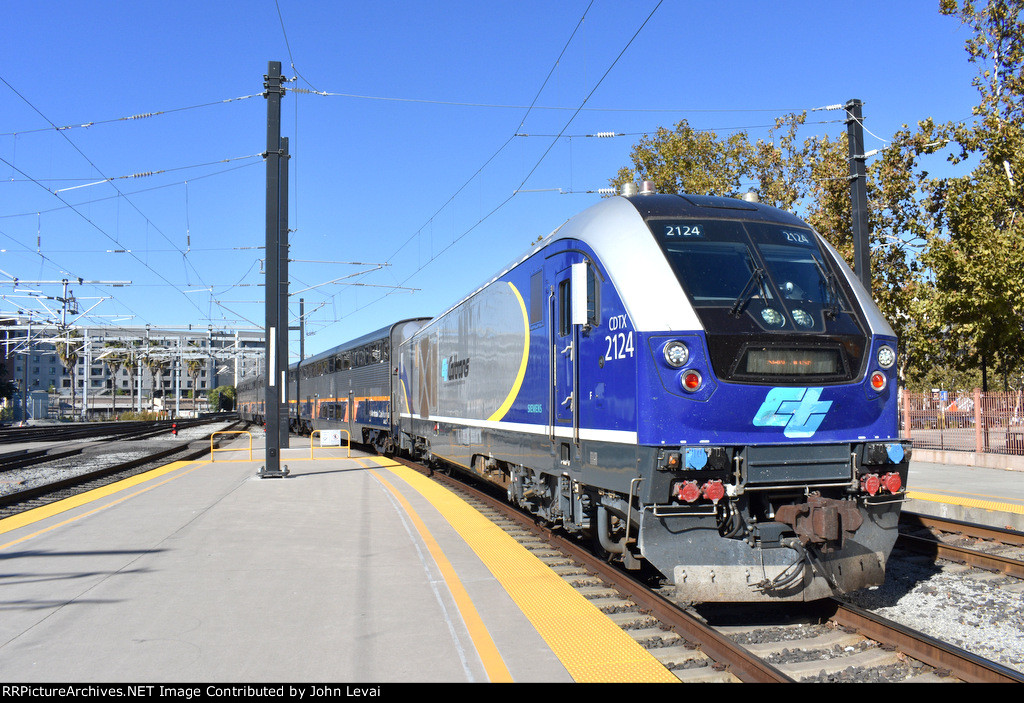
pixel 350 569
pixel 969 493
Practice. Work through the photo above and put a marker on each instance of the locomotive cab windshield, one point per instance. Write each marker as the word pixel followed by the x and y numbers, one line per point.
pixel 768 297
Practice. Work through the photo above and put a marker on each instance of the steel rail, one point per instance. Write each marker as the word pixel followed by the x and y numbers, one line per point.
pixel 934 547
pixel 971 557
pixel 968 529
pixel 745 666
pixel 188 452
pixel 733 657
pixel 941 655
pixel 727 654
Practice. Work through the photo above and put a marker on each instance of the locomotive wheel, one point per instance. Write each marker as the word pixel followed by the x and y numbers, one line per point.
pixel 384 446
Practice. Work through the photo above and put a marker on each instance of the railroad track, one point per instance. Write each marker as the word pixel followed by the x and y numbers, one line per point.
pixel 91 430
pixel 990 548
pixel 25 457
pixel 824 641
pixel 29 498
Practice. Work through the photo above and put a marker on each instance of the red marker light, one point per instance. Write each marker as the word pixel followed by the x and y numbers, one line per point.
pixel 878 380
pixel 691 381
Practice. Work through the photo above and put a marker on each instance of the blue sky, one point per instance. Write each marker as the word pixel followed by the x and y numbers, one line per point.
pixel 411 161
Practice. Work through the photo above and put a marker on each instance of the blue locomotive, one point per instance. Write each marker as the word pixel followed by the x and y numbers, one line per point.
pixel 699 383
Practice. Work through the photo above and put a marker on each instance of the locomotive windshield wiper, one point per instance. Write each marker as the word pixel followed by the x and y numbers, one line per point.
pixel 832 307
pixel 757 275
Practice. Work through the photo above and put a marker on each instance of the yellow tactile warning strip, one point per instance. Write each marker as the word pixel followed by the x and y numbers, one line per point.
pixel 590 646
pixel 968 502
pixel 497 672
pixel 41 513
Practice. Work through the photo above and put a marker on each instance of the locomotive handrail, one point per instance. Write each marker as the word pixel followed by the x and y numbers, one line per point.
pixel 320 432
pixel 882 500
pixel 825 483
pixel 629 506
pixel 212 449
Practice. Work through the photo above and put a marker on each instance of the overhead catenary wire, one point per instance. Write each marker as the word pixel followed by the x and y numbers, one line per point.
pixel 543 156
pixel 129 118
pixel 508 141
pixel 561 108
pixel 147 174
pixel 614 134
pixel 100 230
pixel 134 192
pixel 59 267
pixel 288 46
pixel 99 171
pixel 175 232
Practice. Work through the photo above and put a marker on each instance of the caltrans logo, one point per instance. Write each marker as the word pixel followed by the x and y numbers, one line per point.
pixel 798 410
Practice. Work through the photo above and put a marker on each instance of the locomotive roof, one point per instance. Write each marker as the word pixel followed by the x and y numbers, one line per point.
pixel 616 229
pixel 685 205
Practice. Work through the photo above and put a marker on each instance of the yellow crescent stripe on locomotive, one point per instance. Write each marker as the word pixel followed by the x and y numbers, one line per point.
pixel 404 410
pixel 521 374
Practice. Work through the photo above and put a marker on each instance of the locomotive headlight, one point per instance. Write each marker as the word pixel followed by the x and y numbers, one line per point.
pixel 773 317
pixel 803 318
pixel 676 354
pixel 886 357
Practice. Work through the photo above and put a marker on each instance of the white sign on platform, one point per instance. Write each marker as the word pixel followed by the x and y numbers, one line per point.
pixel 330 438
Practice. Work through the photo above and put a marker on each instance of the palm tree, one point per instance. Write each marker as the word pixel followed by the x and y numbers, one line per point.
pixel 114 361
pixel 131 356
pixel 68 349
pixel 155 364
pixel 194 366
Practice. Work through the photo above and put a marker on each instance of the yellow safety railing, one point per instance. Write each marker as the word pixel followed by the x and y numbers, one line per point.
pixel 213 449
pixel 315 432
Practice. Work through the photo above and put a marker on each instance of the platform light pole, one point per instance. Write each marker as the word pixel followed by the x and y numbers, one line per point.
pixel 275 378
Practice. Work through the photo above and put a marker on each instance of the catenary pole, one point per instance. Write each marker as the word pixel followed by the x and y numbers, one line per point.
pixel 282 297
pixel 858 192
pixel 272 377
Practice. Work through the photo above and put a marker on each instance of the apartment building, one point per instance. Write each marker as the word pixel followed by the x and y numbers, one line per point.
pixel 165 365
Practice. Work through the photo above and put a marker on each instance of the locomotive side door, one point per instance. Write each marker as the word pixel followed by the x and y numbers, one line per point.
pixel 564 355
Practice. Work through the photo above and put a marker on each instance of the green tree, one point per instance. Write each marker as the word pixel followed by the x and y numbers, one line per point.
pixel 947 264
pixel 7 387
pixel 685 160
pixel 221 398
pixel 974 248
pixel 810 178
pixel 131 367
